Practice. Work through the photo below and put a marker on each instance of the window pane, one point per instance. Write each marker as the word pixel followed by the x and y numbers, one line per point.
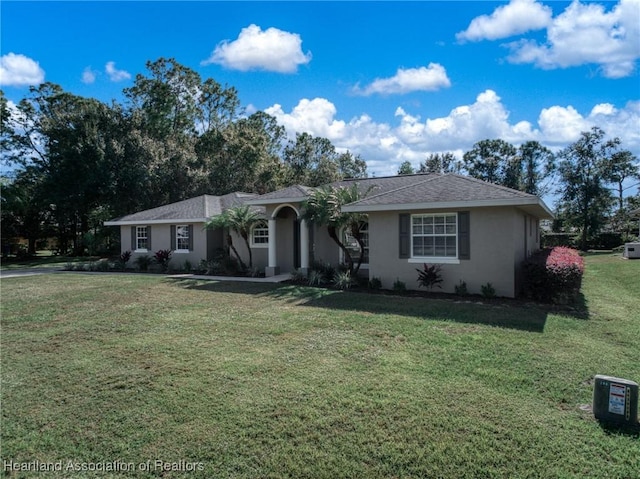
pixel 451 246
pixel 451 229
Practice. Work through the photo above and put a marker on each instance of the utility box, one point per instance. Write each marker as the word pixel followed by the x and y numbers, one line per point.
pixel 615 400
pixel 631 250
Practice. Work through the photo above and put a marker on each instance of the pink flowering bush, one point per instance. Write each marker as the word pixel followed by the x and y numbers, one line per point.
pixel 554 275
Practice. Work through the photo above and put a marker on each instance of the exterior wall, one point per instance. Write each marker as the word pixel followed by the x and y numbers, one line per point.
pixel 494 232
pixel 260 254
pixel 161 239
pixel 324 248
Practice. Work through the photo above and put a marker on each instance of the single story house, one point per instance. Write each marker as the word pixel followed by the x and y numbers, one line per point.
pixel 180 227
pixel 479 232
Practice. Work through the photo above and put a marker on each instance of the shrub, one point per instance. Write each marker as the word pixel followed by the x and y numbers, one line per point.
pixel 554 275
pixel 162 257
pixel 343 280
pixel 298 276
pixel 187 266
pixel 430 276
pixel 375 283
pixel 256 272
pixel 399 285
pixel 461 289
pixel 143 262
pixel 125 256
pixel 102 266
pixel 488 291
pixel 316 278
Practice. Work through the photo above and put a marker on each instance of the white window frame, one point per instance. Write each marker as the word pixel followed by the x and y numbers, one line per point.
pixel 139 237
pixel 178 238
pixel 435 259
pixel 343 232
pixel 262 227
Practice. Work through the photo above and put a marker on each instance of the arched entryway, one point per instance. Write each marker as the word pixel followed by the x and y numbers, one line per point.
pixel 288 241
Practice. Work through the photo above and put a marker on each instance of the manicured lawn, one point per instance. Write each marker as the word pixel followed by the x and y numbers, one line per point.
pixel 271 381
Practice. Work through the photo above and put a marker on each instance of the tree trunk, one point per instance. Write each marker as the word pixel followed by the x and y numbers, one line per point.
pixel 347 257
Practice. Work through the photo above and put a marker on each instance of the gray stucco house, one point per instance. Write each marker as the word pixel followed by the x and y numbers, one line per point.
pixel 479 232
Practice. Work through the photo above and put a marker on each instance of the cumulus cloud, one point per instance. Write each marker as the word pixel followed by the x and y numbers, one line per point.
pixel 19 70
pixel 431 78
pixel 518 17
pixel 270 50
pixel 114 74
pixel 89 76
pixel 587 34
pixel 385 146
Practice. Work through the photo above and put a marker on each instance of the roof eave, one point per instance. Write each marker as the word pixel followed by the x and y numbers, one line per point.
pixel 169 221
pixel 543 210
pixel 275 201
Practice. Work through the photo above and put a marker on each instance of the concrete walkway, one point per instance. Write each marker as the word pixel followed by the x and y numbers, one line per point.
pixel 18 273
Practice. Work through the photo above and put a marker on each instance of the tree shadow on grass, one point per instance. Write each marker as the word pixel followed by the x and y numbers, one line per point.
pixel 614 429
pixel 512 315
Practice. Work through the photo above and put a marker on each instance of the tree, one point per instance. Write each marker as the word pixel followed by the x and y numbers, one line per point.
pixel 314 161
pixel 584 173
pixel 623 165
pixel 440 163
pixel 406 168
pixel 494 161
pixel 324 207
pixel 239 219
pixel 537 163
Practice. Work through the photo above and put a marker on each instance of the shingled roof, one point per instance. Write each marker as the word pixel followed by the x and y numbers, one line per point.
pixel 192 210
pixel 447 191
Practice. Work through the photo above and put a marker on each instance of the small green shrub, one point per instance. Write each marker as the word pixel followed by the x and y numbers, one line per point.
pixel 143 262
pixel 102 266
pixel 430 276
pixel 343 280
pixel 298 276
pixel 80 267
pixel 316 278
pixel 69 266
pixel 123 259
pixel 187 266
pixel 399 285
pixel 488 291
pixel 256 272
pixel 461 289
pixel 375 283
pixel 327 270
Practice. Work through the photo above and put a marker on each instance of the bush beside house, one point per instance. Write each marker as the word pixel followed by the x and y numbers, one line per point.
pixel 554 275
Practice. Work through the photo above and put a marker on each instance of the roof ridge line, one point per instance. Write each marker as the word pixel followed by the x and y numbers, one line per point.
pixel 495 185
pixel 429 177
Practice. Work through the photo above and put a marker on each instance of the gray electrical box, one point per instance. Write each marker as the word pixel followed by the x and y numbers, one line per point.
pixel 615 400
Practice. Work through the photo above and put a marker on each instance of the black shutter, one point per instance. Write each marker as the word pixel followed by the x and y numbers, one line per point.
pixel 149 238
pixel 134 245
pixel 173 237
pixel 404 238
pixel 464 235
pixel 190 237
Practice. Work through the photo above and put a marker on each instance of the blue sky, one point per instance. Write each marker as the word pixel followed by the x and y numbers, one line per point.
pixel 391 81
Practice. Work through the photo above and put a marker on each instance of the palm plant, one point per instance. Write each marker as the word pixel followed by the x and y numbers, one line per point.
pixel 324 207
pixel 240 220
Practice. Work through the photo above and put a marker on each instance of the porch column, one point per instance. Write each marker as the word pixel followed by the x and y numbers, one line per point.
pixel 304 246
pixel 272 269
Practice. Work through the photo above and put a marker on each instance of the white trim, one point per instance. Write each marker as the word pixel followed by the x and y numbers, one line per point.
pixel 450 235
pixel 181 221
pixel 253 227
pixel 277 210
pixel 181 251
pixel 434 259
pixel 140 250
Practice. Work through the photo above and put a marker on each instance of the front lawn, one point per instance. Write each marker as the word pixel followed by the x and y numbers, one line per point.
pixel 273 381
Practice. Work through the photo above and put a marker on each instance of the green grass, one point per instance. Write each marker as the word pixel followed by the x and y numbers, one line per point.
pixel 42 260
pixel 278 381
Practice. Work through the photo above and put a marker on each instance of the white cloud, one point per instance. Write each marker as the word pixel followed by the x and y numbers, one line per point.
pixel 431 78
pixel 19 70
pixel 116 75
pixel 271 50
pixel 518 17
pixel 587 34
pixel 385 146
pixel 89 76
